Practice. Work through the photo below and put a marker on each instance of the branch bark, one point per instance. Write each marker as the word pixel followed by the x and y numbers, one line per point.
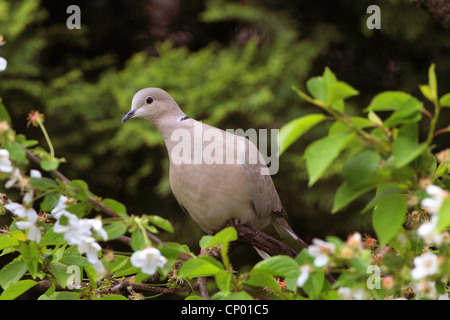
pixel 261 240
pixel 438 9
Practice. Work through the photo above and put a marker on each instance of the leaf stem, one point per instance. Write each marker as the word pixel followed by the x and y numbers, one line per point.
pixel 437 109
pixel 47 138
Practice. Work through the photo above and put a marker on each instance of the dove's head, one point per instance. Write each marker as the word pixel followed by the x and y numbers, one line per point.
pixel 153 104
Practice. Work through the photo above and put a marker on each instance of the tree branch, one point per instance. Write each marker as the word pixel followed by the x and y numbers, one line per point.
pixel 91 199
pixel 438 9
pixel 261 240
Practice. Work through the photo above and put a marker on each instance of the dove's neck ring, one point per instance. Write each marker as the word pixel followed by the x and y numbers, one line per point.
pixel 185 117
pixel 168 124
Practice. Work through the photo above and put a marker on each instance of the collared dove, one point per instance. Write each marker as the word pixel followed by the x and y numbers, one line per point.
pixel 211 193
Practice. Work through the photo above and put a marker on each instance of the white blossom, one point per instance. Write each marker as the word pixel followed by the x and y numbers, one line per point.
pixel 97 225
pixel 148 260
pixel 90 248
pixel 5 162
pixel 428 232
pixel 75 230
pixel 34 231
pixel 19 210
pixel 425 288
pixel 99 269
pixel 3 64
pixel 352 293
pixel 31 224
pixel 35 174
pixel 433 204
pixel 320 250
pixel 355 240
pixel 14 178
pixel 60 208
pixel 79 232
pixel 425 265
pixel 28 197
pixel 304 275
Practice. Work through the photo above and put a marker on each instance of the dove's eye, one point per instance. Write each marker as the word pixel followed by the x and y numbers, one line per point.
pixel 149 100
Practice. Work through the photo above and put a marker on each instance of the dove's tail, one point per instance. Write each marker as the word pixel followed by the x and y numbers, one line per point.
pixel 287 234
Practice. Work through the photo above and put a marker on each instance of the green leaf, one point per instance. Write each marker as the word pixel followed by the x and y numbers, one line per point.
pixel 375 119
pixel 383 190
pixel 43 184
pixel 161 223
pixel 4 115
pixel 328 77
pixel 22 139
pixel 50 201
pixel 388 217
pixel 123 269
pixel 16 289
pixel 137 240
pixel 405 150
pixel 263 280
pixel 223 281
pixel 304 258
pixel 223 237
pixel 426 91
pixel 194 297
pixel 116 206
pixel 282 266
pixel 358 170
pixel 114 297
pixel 52 238
pixel 16 152
pixel 316 87
pixel 432 82
pixel 200 267
pixel 294 129
pixel 61 296
pixel 50 164
pixel 321 153
pixel 240 295
pixel 7 242
pixel 388 100
pixel 339 91
pixel 11 273
pixel 408 112
pixel 313 286
pixel 445 100
pixel 442 169
pixel 71 259
pixel 115 230
pixel 173 250
pixel 78 189
pixel 79 209
pixel 443 215
pixel 119 262
pixel 18 234
pixel 30 255
pixel 346 193
pixel 59 270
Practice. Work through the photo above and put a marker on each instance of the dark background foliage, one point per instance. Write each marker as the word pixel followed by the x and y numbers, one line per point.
pixel 228 63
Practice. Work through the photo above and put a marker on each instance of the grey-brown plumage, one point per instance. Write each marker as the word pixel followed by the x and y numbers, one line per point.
pixel 211 193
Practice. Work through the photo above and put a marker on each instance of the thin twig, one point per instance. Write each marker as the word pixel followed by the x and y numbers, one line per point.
pixel 202 287
pixel 91 199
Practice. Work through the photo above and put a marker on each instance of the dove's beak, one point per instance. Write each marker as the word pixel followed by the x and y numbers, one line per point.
pixel 129 115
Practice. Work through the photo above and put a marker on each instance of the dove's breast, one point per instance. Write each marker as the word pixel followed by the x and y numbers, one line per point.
pixel 212 195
